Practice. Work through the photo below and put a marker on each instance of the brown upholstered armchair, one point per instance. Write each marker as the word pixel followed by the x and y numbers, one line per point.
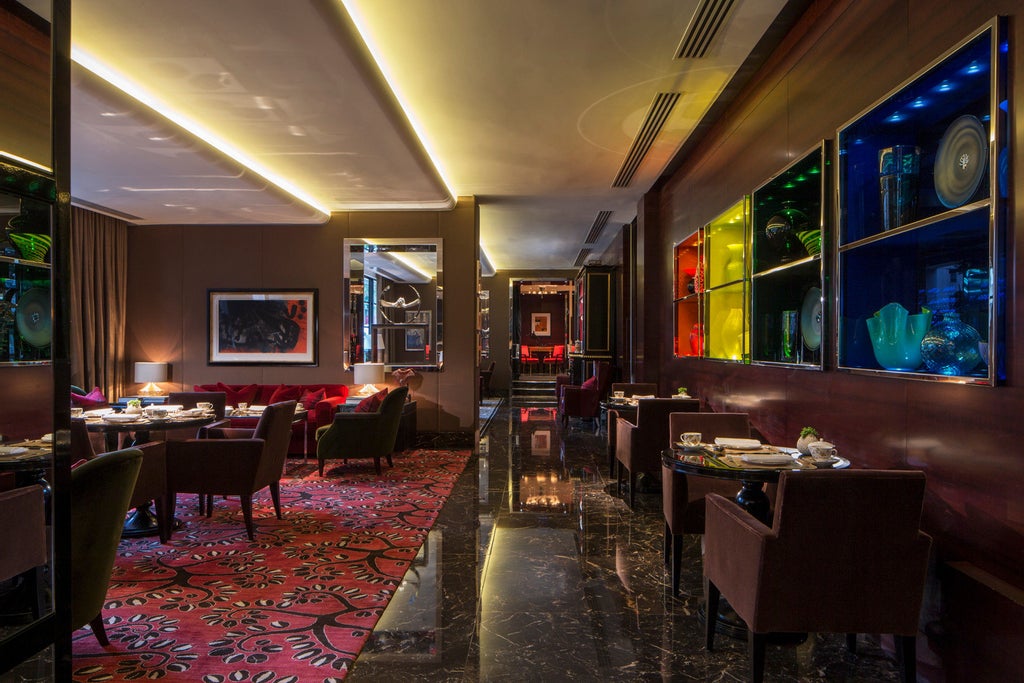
pixel 638 446
pixel 150 485
pixel 583 400
pixel 844 555
pixel 234 466
pixel 23 539
pixel 682 497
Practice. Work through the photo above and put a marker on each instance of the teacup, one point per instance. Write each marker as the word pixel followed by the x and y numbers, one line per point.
pixel 243 406
pixel 822 450
pixel 690 439
pixel 156 412
pixel 77 411
pixel 205 406
pixel 618 394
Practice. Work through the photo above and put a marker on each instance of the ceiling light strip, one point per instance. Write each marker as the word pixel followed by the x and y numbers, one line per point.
pixel 362 29
pixel 581 258
pixel 598 227
pixel 658 113
pixel 703 28
pixel 140 94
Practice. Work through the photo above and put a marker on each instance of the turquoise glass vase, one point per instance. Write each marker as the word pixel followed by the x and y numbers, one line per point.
pixel 951 347
pixel 896 336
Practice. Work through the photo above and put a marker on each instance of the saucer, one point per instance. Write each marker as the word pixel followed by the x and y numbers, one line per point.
pixel 689 449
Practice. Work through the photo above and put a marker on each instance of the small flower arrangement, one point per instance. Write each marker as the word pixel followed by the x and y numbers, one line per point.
pixel 809 431
pixel 808 435
pixel 681 391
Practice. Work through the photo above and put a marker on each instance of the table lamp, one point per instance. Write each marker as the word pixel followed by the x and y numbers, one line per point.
pixel 368 374
pixel 150 374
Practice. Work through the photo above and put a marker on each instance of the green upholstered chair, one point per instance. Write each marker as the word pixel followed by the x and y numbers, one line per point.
pixel 234 466
pixel 363 435
pixel 101 489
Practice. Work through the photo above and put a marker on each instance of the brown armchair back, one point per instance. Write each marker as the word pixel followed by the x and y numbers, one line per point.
pixel 638 446
pixel 858 528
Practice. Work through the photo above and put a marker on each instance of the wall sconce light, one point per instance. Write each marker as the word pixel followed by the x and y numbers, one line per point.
pixel 368 374
pixel 151 374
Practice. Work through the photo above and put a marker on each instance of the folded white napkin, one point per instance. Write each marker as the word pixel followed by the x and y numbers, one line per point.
pixel 739 444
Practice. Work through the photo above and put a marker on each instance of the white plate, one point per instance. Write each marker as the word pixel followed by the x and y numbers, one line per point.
pixel 12 450
pixel 98 412
pixel 769 459
pixel 118 417
pixel 960 161
pixel 689 449
pixel 739 444
pixel 810 319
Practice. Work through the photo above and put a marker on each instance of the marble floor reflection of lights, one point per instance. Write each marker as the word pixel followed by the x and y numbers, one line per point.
pixel 535 571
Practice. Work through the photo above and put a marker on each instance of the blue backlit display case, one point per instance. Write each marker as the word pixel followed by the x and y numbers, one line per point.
pixel 921 181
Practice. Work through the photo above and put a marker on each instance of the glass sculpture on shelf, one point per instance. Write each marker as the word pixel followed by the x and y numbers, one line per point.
pixel 951 346
pixel 896 336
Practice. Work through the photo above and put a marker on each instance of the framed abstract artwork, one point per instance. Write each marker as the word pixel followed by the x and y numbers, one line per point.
pixel 540 324
pixel 262 327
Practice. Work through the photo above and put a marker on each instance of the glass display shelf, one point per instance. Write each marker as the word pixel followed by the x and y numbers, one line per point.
pixel 788 226
pixel 711 278
pixel 921 178
pixel 24 312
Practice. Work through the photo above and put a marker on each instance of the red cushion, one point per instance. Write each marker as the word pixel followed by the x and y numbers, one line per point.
pixel 309 399
pixel 235 396
pixel 93 399
pixel 371 404
pixel 285 393
pixel 590 384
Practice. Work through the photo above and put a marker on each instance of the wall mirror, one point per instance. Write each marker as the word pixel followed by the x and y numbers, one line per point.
pixel 395 293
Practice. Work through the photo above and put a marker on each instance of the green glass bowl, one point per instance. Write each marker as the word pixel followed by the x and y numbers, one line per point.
pixel 32 245
pixel 811 239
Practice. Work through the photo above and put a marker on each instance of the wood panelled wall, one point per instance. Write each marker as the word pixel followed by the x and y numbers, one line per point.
pixel 839 60
pixel 172 267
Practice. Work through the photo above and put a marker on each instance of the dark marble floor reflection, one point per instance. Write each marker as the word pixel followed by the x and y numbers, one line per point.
pixel 536 572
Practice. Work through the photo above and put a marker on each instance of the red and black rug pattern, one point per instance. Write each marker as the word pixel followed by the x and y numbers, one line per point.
pixel 295 605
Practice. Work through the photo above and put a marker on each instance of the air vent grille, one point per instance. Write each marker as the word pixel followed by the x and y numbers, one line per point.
pixel 658 113
pixel 703 29
pixel 581 258
pixel 598 227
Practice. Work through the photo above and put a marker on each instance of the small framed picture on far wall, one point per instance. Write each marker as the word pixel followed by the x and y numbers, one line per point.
pixel 540 324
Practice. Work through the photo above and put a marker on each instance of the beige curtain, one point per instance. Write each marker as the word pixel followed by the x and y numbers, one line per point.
pixel 99 279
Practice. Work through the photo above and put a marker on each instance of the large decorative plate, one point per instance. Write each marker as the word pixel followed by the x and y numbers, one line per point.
pixel 960 161
pixel 810 319
pixel 32 317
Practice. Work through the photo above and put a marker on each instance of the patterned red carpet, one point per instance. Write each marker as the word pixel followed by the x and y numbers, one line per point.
pixel 296 605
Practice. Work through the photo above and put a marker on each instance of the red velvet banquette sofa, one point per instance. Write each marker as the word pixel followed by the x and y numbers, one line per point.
pixel 321 400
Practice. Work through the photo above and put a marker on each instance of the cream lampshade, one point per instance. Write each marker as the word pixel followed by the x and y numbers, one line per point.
pixel 368 374
pixel 150 374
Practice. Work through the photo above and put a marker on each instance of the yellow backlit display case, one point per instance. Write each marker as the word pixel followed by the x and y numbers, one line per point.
pixel 711 279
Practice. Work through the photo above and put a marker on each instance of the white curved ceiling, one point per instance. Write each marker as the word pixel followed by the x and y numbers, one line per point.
pixel 531 106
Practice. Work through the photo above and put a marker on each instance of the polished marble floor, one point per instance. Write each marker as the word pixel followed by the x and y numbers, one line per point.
pixel 536 572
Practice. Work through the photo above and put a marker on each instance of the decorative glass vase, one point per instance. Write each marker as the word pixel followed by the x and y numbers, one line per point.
pixel 951 346
pixel 896 336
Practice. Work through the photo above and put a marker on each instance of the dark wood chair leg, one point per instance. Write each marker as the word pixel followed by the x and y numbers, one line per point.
pixel 755 653
pixel 666 543
pixel 677 562
pixel 275 495
pixel 906 651
pixel 632 489
pixel 99 629
pixel 376 466
pixel 390 463
pixel 851 643
pixel 247 516
pixel 711 595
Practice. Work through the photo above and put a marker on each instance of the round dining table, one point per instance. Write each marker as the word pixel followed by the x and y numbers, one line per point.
pixel 142 521
pixel 708 461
